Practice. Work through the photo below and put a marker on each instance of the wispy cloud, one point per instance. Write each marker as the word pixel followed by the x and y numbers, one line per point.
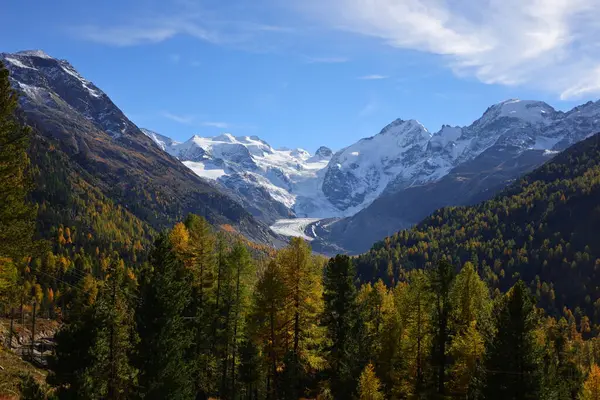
pixel 326 60
pixel 372 77
pixel 174 58
pixel 547 44
pixel 369 109
pixel 191 21
pixel 219 125
pixel 182 119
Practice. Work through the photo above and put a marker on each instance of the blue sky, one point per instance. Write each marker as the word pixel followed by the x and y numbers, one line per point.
pixel 310 73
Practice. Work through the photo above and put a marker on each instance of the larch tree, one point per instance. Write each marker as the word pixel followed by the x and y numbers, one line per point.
pixel 418 339
pixel 303 307
pixel 268 328
pixel 591 386
pixel 472 326
pixel 369 386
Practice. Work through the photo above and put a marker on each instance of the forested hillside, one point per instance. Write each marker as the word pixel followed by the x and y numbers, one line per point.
pixel 542 229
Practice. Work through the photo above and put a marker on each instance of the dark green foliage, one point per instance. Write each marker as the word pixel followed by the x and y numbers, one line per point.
pixel 31 389
pixel 512 364
pixel 165 292
pixel 342 322
pixel 17 216
pixel 94 350
pixel 440 282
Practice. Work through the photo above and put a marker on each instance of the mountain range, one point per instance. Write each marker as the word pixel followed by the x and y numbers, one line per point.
pixel 342 201
pixel 347 200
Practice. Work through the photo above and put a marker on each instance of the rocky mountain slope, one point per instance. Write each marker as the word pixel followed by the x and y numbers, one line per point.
pixel 106 150
pixel 462 166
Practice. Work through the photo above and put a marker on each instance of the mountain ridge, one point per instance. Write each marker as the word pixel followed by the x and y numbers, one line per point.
pixel 110 152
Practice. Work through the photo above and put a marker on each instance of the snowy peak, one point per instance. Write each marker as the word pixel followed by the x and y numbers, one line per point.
pixel 526 111
pixel 34 53
pixel 411 130
pixel 48 82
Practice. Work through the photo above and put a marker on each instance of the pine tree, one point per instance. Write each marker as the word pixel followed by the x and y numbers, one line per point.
pixel 341 318
pixel 512 369
pixel 440 283
pixel 94 350
pixel 164 338
pixel 17 216
pixel 111 375
pixel 369 387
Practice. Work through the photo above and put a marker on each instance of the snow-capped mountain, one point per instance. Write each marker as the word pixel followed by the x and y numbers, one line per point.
pixel 294 183
pixel 455 166
pixel 282 180
pixel 406 154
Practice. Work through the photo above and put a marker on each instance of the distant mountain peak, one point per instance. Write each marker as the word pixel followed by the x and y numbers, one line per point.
pixel 34 53
pixel 324 152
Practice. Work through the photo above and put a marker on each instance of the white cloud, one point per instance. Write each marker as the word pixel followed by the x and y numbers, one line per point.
pixel 548 44
pixel 219 125
pixel 182 119
pixel 373 77
pixel 174 58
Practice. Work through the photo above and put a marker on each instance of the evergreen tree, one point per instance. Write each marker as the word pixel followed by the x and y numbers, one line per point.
pixel 440 283
pixel 164 338
pixel 512 369
pixel 111 375
pixel 369 387
pixel 341 318
pixel 16 214
pixel 199 256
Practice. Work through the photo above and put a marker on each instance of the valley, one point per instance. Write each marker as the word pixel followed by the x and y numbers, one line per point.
pixel 463 263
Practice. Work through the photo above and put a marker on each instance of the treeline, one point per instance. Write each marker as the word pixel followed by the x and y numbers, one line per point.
pixel 542 230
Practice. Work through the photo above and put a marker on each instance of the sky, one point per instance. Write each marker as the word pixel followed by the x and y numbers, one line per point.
pixel 306 73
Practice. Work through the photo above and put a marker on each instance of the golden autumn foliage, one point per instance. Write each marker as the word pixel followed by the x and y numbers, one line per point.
pixel 591 387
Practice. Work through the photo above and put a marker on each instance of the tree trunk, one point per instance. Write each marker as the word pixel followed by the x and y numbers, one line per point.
pixel 111 349
pixel 235 325
pixel 33 331
pixel 10 332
